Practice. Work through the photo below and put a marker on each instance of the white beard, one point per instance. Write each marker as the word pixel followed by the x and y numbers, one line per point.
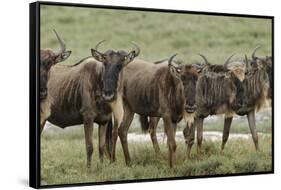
pixel 188 117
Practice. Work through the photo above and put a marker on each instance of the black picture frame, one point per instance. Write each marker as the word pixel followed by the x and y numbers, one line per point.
pixel 34 99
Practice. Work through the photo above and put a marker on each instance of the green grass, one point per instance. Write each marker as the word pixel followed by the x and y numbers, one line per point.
pixel 159 35
pixel 63 159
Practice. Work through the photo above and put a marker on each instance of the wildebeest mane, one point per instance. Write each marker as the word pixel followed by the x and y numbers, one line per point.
pixel 70 92
pixel 216 68
pixel 74 82
pixel 213 90
pixel 174 92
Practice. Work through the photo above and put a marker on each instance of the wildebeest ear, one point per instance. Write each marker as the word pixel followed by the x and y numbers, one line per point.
pixel 259 63
pixel 97 55
pixel 129 58
pixel 63 56
pixel 199 70
pixel 175 71
pixel 238 72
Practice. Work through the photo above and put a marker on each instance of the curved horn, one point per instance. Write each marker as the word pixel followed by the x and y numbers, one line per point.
pixel 247 63
pixel 228 59
pixel 205 59
pixel 62 45
pixel 137 49
pixel 254 52
pixel 170 62
pixel 98 44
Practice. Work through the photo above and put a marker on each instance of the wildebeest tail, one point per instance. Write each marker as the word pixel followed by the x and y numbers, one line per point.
pixel 144 123
pixel 109 137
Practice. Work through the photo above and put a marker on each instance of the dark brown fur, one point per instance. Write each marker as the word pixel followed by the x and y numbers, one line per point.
pixel 79 95
pixel 49 58
pixel 157 91
pixel 255 89
pixel 266 63
pixel 215 92
pixel 74 100
pixel 250 96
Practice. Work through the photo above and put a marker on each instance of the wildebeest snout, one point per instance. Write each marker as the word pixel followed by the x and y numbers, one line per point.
pixel 108 95
pixel 190 108
pixel 43 93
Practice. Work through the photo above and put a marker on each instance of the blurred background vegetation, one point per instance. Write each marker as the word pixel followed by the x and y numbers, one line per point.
pixel 159 35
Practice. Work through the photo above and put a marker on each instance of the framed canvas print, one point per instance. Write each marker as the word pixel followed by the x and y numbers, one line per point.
pixel 120 94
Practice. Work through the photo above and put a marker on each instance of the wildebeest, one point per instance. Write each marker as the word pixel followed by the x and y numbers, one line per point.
pixel 257 88
pixel 251 95
pixel 158 90
pixel 223 87
pixel 216 94
pixel 265 62
pixel 49 58
pixel 90 91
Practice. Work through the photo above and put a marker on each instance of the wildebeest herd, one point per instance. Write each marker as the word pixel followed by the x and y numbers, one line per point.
pixel 109 87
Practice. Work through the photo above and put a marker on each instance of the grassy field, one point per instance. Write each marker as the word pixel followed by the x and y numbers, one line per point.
pixel 159 35
pixel 63 159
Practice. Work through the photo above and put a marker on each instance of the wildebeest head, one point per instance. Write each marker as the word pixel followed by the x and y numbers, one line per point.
pixel 188 75
pixel 264 63
pixel 48 58
pixel 113 62
pixel 234 68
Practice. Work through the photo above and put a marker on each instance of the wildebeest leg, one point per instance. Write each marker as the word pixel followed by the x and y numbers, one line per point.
pixel 189 135
pixel 114 138
pixel 88 129
pixel 152 130
pixel 118 112
pixel 123 133
pixel 175 131
pixel 108 139
pixel 102 136
pixel 199 125
pixel 252 125
pixel 169 128
pixel 226 129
